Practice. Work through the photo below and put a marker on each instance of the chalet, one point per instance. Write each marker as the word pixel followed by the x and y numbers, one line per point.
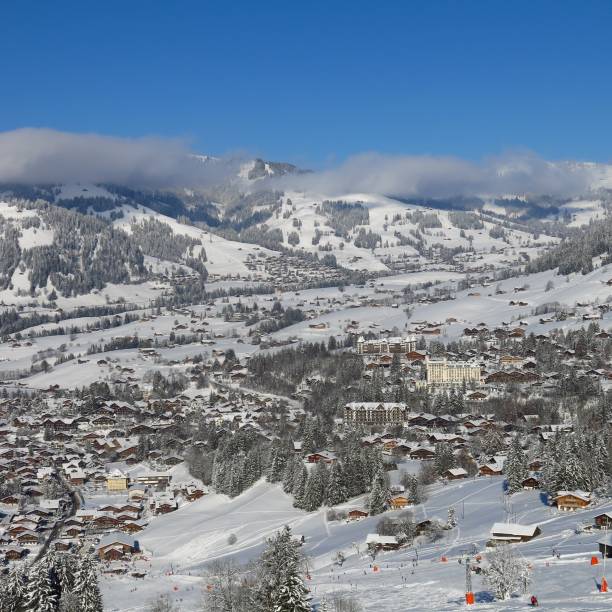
pixel 422 453
pixel 105 521
pixel 73 532
pixel 15 553
pixel 476 396
pixel 381 542
pixel 455 474
pixel 10 500
pixel 491 469
pixel 324 456
pixel 531 482
pixel 604 520
pixel 572 500
pixel 155 479
pixel 132 526
pixel 355 515
pixel 116 546
pixel 509 533
pixel 399 501
pixel 27 537
pixel 605 546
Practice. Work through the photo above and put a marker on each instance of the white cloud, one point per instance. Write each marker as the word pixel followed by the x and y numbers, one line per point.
pixel 440 177
pixel 37 155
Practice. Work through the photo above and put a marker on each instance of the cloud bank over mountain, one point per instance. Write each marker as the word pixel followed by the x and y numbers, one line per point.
pixel 441 177
pixel 39 155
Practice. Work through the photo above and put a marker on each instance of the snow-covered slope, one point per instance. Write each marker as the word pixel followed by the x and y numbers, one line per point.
pixel 425 576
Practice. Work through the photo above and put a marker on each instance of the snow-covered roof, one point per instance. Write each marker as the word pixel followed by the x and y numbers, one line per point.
pixel 513 529
pixel 374 538
pixel 457 471
pixel 584 495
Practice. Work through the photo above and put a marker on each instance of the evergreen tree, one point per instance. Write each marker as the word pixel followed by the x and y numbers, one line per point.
pixel 279 586
pixel 300 478
pixel 279 457
pixel 336 488
pixel 314 492
pixel 289 474
pixel 516 466
pixel 86 586
pixel 308 443
pixel 40 595
pixel 292 596
pixel 379 495
pixel 444 458
pixel 13 591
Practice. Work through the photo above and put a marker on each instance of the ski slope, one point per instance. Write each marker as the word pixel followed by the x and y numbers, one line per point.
pixel 180 545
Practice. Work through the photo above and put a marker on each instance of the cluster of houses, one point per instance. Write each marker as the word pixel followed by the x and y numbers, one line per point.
pixel 62 453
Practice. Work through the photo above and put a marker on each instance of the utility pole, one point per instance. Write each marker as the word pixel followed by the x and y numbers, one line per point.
pixel 604 583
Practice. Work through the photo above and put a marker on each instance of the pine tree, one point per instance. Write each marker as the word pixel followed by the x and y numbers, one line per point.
pixel 379 495
pixel 336 489
pixel 278 461
pixel 444 459
pixel 292 596
pixel 299 485
pixel 66 568
pixel 14 590
pixel 86 586
pixel 516 466
pixel 280 588
pixel 308 443
pixel 289 474
pixel 40 595
pixel 314 492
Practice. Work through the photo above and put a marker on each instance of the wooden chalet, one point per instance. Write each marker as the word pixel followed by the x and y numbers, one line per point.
pixel 603 521
pixel 381 542
pixel 116 546
pixel 399 501
pixel 572 500
pixel 455 474
pixel 511 533
pixel 531 482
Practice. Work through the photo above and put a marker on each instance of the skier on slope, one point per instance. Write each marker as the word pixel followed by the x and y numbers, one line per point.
pixel 534 601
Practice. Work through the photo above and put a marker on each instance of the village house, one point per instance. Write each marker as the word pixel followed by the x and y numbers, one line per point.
pixel 381 542
pixel 115 546
pixel 511 533
pixel 116 481
pixel 355 515
pixel 572 500
pixel 604 520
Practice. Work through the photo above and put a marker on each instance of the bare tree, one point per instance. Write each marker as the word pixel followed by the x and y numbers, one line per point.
pixel 228 588
pixel 162 604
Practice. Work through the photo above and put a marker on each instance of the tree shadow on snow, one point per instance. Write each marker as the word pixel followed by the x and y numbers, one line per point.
pixel 479 597
pixel 483 597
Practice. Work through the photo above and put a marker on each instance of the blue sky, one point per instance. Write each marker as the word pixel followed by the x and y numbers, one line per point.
pixel 315 82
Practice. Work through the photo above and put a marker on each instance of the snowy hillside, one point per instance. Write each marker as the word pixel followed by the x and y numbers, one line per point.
pixel 421 577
